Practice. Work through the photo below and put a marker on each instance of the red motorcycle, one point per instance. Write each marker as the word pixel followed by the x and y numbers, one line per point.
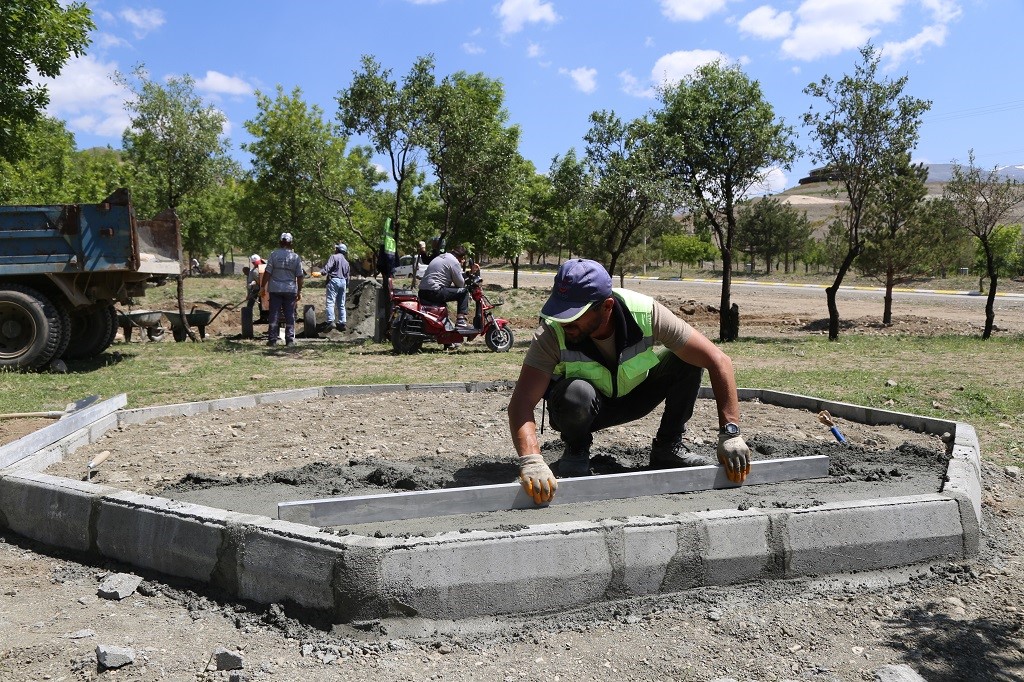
pixel 414 321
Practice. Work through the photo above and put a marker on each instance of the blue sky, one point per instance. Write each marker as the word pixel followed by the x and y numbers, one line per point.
pixel 560 60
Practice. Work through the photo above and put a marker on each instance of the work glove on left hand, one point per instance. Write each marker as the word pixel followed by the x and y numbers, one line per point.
pixel 734 455
pixel 536 478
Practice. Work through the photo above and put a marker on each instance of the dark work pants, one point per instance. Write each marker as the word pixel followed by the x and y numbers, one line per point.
pixel 577 409
pixel 445 294
pixel 282 304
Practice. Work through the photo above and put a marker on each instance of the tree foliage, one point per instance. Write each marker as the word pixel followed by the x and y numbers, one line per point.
pixel 769 228
pixel 688 249
pixel 173 137
pixel 392 115
pixel 980 202
pixel 865 126
pixel 36 37
pixel 721 139
pixel 897 238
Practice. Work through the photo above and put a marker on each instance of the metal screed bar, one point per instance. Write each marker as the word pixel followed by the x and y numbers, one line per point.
pixel 337 511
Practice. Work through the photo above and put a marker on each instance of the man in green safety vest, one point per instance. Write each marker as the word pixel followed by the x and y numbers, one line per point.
pixel 594 360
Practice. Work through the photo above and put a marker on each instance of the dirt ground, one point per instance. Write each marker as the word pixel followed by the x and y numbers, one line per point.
pixel 950 621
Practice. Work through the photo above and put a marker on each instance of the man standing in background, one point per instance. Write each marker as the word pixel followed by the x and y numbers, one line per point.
pixel 337 273
pixel 284 282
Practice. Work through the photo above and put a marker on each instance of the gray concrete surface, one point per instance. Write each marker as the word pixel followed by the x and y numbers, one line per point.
pixel 459 574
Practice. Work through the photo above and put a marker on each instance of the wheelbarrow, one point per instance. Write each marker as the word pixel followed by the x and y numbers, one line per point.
pixel 150 320
pixel 199 319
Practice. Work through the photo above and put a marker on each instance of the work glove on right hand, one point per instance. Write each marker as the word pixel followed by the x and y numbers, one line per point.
pixel 734 455
pixel 536 478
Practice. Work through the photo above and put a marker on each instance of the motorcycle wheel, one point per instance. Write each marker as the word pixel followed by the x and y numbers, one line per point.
pixel 500 339
pixel 401 342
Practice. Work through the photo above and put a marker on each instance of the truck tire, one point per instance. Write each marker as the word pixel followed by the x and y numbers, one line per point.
pixel 92 330
pixel 30 327
pixel 65 329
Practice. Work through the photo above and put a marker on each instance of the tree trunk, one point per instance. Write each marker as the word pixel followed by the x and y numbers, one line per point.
pixel 887 310
pixel 993 276
pixel 830 295
pixel 515 273
pixel 724 328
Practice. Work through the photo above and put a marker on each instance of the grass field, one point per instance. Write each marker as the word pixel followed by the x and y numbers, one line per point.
pixel 952 377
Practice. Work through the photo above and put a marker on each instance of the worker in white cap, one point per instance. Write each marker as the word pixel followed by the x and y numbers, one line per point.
pixel 284 277
pixel 253 278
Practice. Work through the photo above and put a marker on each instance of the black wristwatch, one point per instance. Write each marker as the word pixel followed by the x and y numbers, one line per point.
pixel 730 429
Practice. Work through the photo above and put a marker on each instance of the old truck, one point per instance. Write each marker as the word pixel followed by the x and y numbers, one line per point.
pixel 62 269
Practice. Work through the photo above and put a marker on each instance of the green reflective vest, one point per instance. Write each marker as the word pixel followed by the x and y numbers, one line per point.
pixel 634 344
pixel 388 237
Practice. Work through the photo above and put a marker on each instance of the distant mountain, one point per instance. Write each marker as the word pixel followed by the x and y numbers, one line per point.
pixel 942 172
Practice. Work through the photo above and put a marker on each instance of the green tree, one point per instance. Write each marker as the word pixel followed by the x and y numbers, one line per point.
pixel 688 249
pixel 980 202
pixel 174 137
pixel 301 179
pixel 44 173
pixel 722 138
pixel 865 126
pixel 36 37
pixel 209 219
pixel 571 207
pixel 472 152
pixel 896 237
pixel 392 116
pixel 770 228
pixel 628 184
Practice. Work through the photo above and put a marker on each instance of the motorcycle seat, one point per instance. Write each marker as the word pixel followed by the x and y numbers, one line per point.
pixel 434 309
pixel 405 294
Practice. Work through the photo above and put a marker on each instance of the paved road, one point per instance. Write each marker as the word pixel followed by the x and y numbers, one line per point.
pixel 810 298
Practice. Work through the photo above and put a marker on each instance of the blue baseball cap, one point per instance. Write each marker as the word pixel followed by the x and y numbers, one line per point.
pixel 579 284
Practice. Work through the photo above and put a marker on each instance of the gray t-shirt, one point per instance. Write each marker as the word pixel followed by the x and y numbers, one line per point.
pixel 443 271
pixel 284 267
pixel 667 329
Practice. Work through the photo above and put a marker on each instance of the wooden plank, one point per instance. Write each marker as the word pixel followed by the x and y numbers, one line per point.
pixel 336 511
pixel 48 435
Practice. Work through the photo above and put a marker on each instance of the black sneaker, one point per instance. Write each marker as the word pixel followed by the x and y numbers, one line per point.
pixel 340 326
pixel 673 454
pixel 575 461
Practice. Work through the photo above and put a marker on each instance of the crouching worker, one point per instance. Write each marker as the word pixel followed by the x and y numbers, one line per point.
pixel 594 360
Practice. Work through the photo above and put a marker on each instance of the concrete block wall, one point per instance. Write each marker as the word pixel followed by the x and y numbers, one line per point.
pixel 457 575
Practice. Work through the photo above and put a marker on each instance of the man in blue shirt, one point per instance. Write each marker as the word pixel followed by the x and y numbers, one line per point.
pixel 337 273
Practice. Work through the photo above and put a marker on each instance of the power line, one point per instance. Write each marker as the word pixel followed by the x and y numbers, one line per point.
pixel 959 114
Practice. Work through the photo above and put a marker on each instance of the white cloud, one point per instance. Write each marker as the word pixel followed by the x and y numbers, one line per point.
pixel 690 10
pixel 631 86
pixel 824 38
pixel 533 50
pixel 220 84
pixel 649 41
pixel 767 23
pixel 517 13
pixel 143 20
pixel 85 96
pixel 676 66
pixel 585 78
pixel 108 40
pixel 895 53
pixel 472 48
pixel 944 11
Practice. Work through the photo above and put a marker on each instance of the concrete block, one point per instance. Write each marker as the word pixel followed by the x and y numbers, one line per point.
pixel 450 387
pixel 646 552
pixel 524 572
pixel 142 415
pixel 370 389
pixel 870 535
pixel 51 454
pixel 484 386
pixel 236 403
pixel 100 427
pixel 738 547
pixel 175 538
pixel 55 511
pixel 275 566
pixel 289 396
